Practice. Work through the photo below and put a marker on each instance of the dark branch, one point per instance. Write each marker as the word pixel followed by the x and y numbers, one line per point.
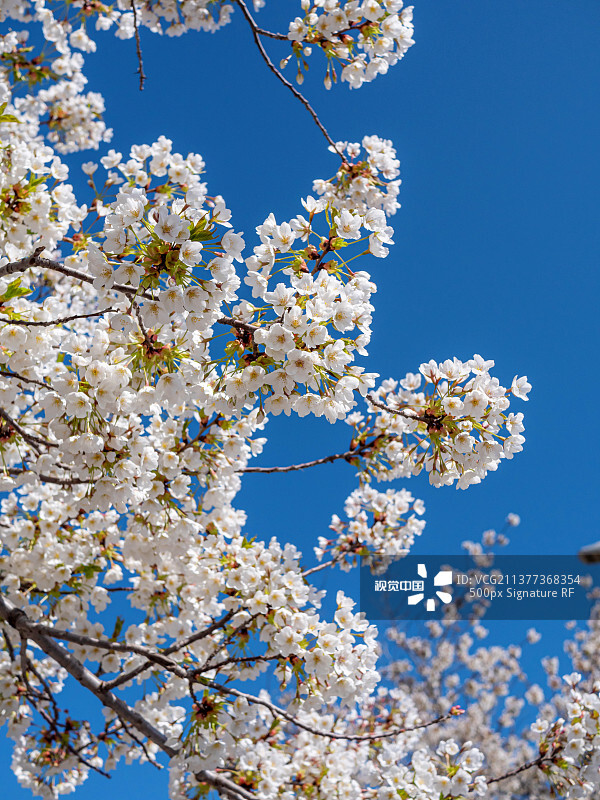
pixel 46 323
pixel 536 762
pixel 256 31
pixel 30 438
pixel 280 36
pixel 292 467
pixel 27 629
pixel 5 374
pixel 138 47
pixel 347 456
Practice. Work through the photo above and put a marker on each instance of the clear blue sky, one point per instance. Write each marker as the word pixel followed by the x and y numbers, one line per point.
pixel 494 113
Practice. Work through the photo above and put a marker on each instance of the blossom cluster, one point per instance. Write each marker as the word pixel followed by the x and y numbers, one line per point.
pixel 457 429
pixel 366 182
pixel 70 117
pixel 363 38
pixel 159 16
pixel 378 525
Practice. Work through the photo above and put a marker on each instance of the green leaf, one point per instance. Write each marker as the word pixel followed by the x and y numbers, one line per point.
pixel 118 628
pixel 14 289
pixel 89 570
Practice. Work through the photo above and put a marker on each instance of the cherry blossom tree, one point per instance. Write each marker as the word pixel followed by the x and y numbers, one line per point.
pixel 143 348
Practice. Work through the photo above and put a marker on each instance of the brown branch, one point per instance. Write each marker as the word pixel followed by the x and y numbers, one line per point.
pixel 48 322
pixel 138 314
pixel 281 36
pixel 277 73
pixel 280 712
pixel 5 374
pixel 45 263
pixel 31 439
pixel 53 726
pixel 398 411
pixel 208 667
pixel 195 637
pixel 236 323
pixel 25 627
pixel 141 744
pixel 535 762
pixel 14 472
pixel 138 47
pixel 28 629
pixel 118 647
pixel 319 567
pixel 347 456
pixel 292 467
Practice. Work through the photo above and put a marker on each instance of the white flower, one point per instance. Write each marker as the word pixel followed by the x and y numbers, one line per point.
pixel 233 244
pixel 189 253
pixel 520 387
pixel 77 404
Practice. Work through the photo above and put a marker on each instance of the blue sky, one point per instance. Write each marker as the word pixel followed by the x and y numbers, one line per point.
pixel 494 113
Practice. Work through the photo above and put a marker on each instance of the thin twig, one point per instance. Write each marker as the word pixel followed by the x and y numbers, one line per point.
pixel 54 727
pixel 15 472
pixel 280 36
pixel 535 762
pixel 195 637
pixel 236 323
pixel 48 322
pixel 45 263
pixel 30 438
pixel 105 644
pixel 347 456
pixel 277 73
pixel 358 737
pixel 319 567
pixel 398 411
pixel 17 376
pixel 141 744
pixel 138 47
pixel 292 467
pixel 208 667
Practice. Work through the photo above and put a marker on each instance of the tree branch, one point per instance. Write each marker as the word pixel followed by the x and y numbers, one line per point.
pixel 17 376
pixel 347 456
pixel 292 467
pixel 45 263
pixel 236 323
pixel 14 472
pixel 31 439
pixel 256 31
pixel 282 37
pixel 27 629
pixel 195 637
pixel 536 762
pixel 415 417
pixel 118 647
pixel 138 47
pixel 280 712
pixel 48 322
